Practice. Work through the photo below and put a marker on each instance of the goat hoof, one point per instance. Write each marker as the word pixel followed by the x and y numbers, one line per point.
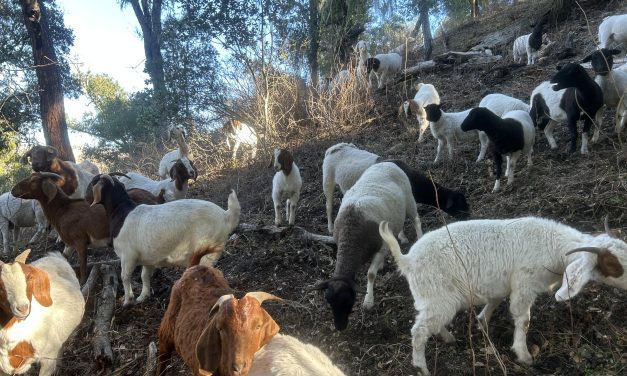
pixel 368 304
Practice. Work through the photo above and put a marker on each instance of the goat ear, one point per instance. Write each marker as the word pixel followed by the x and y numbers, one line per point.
pixel 37 285
pixel 613 52
pixel 270 328
pixel 97 194
pixel 173 172
pixel 608 265
pixel 49 189
pixel 209 350
pixel 578 273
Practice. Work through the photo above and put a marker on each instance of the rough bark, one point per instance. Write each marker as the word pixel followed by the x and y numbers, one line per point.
pixel 314 32
pixel 89 285
pixel 423 20
pixel 101 342
pixel 49 80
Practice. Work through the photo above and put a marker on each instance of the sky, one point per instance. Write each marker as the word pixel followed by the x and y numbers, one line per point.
pixel 106 41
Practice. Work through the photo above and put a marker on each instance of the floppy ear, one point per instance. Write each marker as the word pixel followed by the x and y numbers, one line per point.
pixel 578 273
pixel 37 285
pixel 613 52
pixel 97 193
pixel 209 350
pixel 270 329
pixel 49 189
pixel 173 172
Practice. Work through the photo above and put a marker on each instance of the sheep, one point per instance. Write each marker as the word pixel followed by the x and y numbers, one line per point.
pixel 17 213
pixel 344 163
pixel 213 332
pixel 287 356
pixel 174 233
pixel 175 187
pixel 78 224
pixel 425 95
pixel 529 44
pixel 613 32
pixel 362 50
pixel 485 261
pixel 512 135
pixel 613 82
pixel 384 67
pixel 501 104
pixel 182 154
pixel 41 305
pixel 285 184
pixel 240 133
pixel 445 128
pixel 74 179
pixel 581 99
pixel 383 192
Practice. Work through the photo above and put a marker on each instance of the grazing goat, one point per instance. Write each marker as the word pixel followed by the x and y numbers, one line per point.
pixel 285 184
pixel 175 187
pixel 512 135
pixel 529 44
pixel 613 32
pixel 287 356
pixel 182 154
pixel 383 67
pixel 426 95
pixel 344 163
pixel 383 192
pixel 212 331
pixel 41 305
pixel 78 224
pixel 17 213
pixel 485 261
pixel 174 233
pixel 613 82
pixel 239 133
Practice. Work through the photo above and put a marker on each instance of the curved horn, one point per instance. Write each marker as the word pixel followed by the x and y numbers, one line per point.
pixel 50 175
pixel 24 159
pixel 262 296
pixel 23 256
pixel 595 250
pixel 115 173
pixel 218 303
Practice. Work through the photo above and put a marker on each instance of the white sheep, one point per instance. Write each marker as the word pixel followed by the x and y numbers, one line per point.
pixel 286 184
pixel 501 104
pixel 529 44
pixel 175 187
pixel 287 356
pixel 613 32
pixel 485 261
pixel 240 133
pixel 174 233
pixel 425 95
pixel 445 127
pixel 363 55
pixel 613 82
pixel 182 153
pixel 383 192
pixel 17 213
pixel 43 304
pixel 383 67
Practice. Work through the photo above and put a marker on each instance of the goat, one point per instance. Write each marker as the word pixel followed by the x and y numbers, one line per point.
pixel 175 187
pixel 41 305
pixel 174 233
pixel 425 95
pixel 383 192
pixel 530 44
pixel 17 213
pixel 383 67
pixel 285 184
pixel 613 32
pixel 484 261
pixel 213 332
pixel 182 154
pixel 78 224
pixel 240 133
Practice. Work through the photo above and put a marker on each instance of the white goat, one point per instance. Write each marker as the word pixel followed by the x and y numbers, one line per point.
pixel 383 67
pixel 240 133
pixel 286 184
pixel 501 104
pixel 174 233
pixel 18 213
pixel 445 127
pixel 362 50
pixel 485 261
pixel 425 95
pixel 182 153
pixel 287 356
pixel 529 44
pixel 43 304
pixel 613 32
pixel 175 187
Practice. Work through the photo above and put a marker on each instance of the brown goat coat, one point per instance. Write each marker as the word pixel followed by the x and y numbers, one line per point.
pixel 44 159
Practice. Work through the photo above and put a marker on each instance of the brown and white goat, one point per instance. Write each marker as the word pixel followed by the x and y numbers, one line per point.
pixel 78 224
pixel 212 331
pixel 40 306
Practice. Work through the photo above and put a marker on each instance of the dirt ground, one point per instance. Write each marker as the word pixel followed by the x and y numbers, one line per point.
pixel 587 336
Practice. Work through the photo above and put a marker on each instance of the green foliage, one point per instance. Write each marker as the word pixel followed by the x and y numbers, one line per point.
pixel 11 171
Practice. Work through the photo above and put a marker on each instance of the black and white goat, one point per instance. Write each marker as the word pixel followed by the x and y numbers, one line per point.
pixel 384 67
pixel 529 44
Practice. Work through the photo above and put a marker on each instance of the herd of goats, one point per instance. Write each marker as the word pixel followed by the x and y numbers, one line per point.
pixel 466 263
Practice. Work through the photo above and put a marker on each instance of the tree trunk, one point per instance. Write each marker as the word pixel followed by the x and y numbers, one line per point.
pixel 48 78
pixel 426 29
pixel 474 8
pixel 150 23
pixel 314 31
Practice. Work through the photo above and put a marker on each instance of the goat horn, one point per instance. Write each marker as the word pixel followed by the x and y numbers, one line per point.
pixel 595 250
pixel 50 175
pixel 218 303
pixel 114 173
pixel 262 296
pixel 21 258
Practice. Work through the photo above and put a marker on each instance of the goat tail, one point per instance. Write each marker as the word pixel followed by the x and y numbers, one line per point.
pixel 390 240
pixel 233 211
